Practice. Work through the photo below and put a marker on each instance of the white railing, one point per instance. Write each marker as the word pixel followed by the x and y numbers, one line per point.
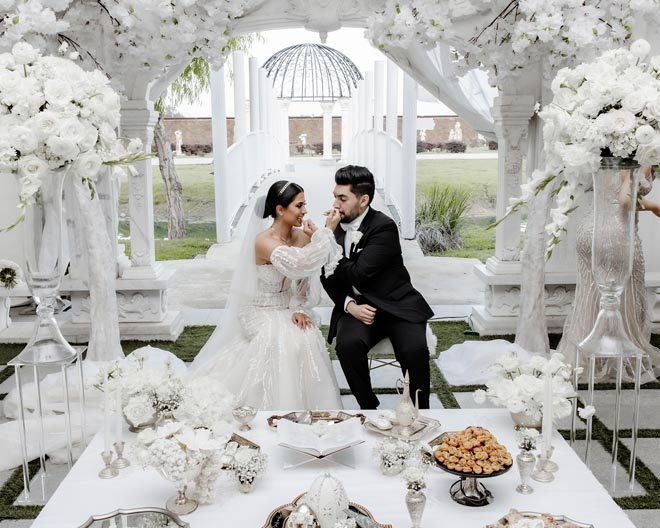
pixel 393 180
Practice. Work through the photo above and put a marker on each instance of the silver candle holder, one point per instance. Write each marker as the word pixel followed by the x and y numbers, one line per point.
pixel 542 474
pixel 108 471
pixel 120 462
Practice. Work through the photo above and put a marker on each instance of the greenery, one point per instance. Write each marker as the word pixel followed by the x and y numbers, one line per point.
pixel 478 242
pixel 438 217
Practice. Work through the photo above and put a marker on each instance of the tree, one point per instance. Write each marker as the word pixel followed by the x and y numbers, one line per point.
pixel 187 88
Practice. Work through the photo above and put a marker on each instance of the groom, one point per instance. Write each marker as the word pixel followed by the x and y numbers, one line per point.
pixel 372 292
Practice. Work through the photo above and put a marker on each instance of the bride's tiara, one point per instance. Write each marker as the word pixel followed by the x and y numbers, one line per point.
pixel 284 188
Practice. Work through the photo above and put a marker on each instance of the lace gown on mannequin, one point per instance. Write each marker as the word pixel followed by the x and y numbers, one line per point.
pixel 587 303
pixel 271 363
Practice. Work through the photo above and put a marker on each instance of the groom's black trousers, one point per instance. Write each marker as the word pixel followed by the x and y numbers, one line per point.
pixel 355 340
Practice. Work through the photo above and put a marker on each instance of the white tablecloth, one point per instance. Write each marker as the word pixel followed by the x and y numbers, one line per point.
pixel 575 491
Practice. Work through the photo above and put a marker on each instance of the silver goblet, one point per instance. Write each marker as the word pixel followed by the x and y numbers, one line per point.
pixel 244 415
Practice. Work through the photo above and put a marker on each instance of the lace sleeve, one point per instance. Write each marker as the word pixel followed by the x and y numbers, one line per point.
pixel 302 262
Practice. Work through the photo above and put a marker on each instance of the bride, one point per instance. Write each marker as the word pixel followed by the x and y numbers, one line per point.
pixel 268 351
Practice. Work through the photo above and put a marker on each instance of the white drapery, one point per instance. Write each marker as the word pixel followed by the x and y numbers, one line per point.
pixel 470 96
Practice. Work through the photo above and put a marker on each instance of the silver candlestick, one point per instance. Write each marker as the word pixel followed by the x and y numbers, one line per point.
pixel 108 471
pixel 120 462
pixel 542 474
pixel 551 466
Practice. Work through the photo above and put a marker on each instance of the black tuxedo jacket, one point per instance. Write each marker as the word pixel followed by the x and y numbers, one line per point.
pixel 375 267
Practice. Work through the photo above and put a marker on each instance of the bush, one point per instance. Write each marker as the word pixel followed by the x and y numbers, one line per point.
pixel 316 147
pixel 196 149
pixel 492 145
pixel 455 146
pixel 423 146
pixel 438 218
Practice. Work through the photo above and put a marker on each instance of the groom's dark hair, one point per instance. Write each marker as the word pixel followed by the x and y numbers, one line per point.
pixel 359 178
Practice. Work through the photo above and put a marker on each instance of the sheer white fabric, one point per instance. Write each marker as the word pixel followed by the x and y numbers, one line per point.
pixel 470 96
pixel 271 363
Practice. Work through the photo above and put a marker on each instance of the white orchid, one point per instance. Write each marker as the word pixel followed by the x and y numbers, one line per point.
pixel 200 439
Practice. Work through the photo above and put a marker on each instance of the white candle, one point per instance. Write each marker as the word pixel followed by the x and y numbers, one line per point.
pixel 118 418
pixel 106 415
pixel 547 414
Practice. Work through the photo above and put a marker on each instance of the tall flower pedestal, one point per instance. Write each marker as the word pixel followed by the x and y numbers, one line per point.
pixel 47 350
pixel 615 199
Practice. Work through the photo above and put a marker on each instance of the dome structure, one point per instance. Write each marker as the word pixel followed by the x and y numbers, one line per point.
pixel 312 72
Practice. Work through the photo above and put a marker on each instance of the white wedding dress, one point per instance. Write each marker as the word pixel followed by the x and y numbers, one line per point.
pixel 268 362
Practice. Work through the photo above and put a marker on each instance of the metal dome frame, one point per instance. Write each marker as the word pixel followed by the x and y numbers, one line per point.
pixel 312 72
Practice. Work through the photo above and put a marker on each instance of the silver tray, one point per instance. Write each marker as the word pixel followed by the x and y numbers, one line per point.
pixel 422 426
pixel 309 417
pixel 562 520
pixel 277 518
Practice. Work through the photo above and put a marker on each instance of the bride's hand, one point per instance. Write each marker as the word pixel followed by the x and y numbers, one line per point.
pixel 332 219
pixel 309 228
pixel 301 320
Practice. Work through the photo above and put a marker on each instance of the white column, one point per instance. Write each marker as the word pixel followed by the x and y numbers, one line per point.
pixel 137 120
pixel 345 105
pixel 264 160
pixel 392 124
pixel 284 107
pixel 409 155
pixel 379 111
pixel 220 177
pixel 254 94
pixel 368 118
pixel 240 124
pixel 327 129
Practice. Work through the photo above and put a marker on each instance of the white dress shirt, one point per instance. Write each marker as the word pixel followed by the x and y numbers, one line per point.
pixel 352 226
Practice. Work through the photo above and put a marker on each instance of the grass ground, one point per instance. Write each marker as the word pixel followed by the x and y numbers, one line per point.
pixel 478 177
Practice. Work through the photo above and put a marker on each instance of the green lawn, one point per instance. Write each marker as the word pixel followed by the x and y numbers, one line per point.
pixel 478 177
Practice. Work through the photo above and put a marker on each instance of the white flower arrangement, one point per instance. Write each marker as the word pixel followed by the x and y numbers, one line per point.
pixel 248 463
pixel 607 107
pixel 527 438
pixel 345 523
pixel 10 274
pixel 391 452
pixel 55 115
pixel 520 387
pixel 414 475
pixel 181 453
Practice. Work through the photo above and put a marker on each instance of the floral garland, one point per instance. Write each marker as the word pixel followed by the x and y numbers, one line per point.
pixel 126 35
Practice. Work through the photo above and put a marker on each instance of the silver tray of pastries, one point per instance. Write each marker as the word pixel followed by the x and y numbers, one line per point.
pixel 420 428
pixel 514 517
pixel 310 417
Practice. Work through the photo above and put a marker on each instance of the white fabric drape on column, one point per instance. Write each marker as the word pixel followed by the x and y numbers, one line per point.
pixel 470 96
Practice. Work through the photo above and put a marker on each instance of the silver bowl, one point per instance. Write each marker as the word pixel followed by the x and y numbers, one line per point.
pixel 244 415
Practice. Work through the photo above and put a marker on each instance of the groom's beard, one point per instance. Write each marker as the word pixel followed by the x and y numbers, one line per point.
pixel 349 216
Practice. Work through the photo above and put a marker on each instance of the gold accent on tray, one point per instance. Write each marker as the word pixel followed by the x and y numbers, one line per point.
pixel 309 417
pixel 420 427
pixel 286 509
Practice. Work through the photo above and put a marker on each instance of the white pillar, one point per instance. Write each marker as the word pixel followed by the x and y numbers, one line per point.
pixel 254 94
pixel 220 176
pixel 284 107
pixel 368 118
pixel 240 125
pixel 379 111
pixel 327 129
pixel 345 105
pixel 392 125
pixel 409 155
pixel 264 159
pixel 137 120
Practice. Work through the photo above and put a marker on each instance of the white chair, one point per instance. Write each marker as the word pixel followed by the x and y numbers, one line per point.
pixel 384 348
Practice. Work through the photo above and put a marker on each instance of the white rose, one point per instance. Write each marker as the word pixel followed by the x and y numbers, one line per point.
pixel 23 140
pixel 645 134
pixel 57 92
pixel 134 146
pixel 479 396
pixel 634 102
pixel 72 129
pixel 45 124
pixel 63 148
pixel 32 168
pixel 586 412
pixel 640 48
pixel 88 165
pixel 538 363
pixel 355 237
pixel 649 154
pixel 24 53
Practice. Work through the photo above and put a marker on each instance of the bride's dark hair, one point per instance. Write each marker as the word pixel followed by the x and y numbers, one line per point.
pixel 280 193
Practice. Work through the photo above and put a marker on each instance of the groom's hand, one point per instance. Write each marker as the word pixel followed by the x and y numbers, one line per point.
pixel 364 313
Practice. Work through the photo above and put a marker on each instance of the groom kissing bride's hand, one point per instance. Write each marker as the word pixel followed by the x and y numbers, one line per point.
pixel 372 292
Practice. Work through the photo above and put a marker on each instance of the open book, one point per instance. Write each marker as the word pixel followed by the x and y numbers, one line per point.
pixel 320 442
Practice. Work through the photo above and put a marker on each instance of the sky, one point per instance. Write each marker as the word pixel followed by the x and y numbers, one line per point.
pixel 349 41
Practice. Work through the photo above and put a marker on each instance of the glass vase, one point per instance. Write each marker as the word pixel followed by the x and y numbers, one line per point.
pixel 526 462
pixel 615 187
pixel 415 502
pixel 44 268
pixel 390 468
